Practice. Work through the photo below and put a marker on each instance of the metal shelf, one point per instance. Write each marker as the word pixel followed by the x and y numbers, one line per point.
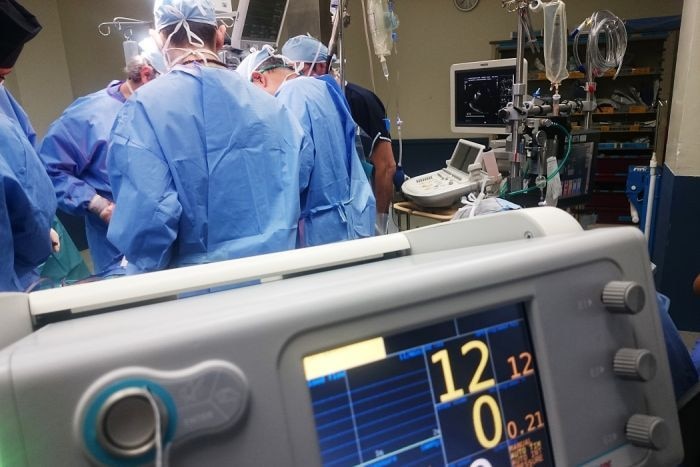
pixel 510 44
pixel 541 76
pixel 620 114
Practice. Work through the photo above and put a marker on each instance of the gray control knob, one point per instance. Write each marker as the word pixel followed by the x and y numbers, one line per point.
pixel 647 431
pixel 639 364
pixel 623 297
pixel 126 422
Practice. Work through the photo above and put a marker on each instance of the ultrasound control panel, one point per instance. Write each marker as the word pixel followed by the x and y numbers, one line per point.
pixel 444 187
pixel 536 352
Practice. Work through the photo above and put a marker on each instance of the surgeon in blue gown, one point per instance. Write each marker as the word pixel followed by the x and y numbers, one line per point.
pixel 74 152
pixel 337 199
pixel 27 202
pixel 203 166
pixel 310 58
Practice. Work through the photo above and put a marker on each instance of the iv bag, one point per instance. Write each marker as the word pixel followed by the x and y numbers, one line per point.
pixel 131 49
pixel 555 41
pixel 379 20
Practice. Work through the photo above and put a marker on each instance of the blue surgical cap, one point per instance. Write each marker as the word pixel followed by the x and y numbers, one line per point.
pixel 253 60
pixel 305 49
pixel 149 50
pixel 167 12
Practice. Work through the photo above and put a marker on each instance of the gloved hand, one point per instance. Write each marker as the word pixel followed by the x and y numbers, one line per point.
pixel 101 207
pixel 55 241
pixel 380 223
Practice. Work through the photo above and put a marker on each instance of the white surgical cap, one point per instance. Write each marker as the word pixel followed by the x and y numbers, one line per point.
pixel 167 12
pixel 149 51
pixel 253 61
pixel 305 49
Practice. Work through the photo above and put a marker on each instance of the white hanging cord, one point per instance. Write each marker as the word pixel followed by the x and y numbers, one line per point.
pixel 399 122
pixel 158 429
pixel 471 202
pixel 477 200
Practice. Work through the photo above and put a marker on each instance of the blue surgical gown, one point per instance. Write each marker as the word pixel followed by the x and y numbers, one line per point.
pixel 74 152
pixel 204 167
pixel 10 107
pixel 27 206
pixel 337 200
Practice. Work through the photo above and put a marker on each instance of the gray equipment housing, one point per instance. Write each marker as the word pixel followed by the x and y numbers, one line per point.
pixel 228 366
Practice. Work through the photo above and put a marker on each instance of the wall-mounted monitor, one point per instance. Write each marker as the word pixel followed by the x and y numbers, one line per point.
pixel 478 90
pixel 263 22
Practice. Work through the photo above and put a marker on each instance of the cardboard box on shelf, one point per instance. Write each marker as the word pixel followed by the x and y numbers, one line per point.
pixel 637 109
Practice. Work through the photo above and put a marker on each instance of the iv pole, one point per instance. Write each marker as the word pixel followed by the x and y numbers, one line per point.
pixel 339 22
pixel 515 179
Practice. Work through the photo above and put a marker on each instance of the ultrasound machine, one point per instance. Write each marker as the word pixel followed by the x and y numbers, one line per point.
pixel 478 90
pixel 463 174
pixel 511 339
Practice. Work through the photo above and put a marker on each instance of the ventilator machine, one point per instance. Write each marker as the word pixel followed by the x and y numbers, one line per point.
pixel 508 339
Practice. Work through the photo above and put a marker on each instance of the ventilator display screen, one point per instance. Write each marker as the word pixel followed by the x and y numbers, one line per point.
pixel 463 392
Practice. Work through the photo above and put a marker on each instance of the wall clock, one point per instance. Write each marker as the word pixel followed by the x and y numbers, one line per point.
pixel 466 5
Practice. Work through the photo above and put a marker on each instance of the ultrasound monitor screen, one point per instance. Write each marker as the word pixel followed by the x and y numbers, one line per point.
pixel 462 392
pixel 463 156
pixel 480 94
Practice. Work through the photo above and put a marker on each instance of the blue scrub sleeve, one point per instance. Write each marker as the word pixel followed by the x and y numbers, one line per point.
pixel 28 203
pixel 65 161
pixel 33 208
pixel 141 180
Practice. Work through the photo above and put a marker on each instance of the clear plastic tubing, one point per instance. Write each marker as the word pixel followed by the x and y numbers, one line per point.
pixel 602 25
